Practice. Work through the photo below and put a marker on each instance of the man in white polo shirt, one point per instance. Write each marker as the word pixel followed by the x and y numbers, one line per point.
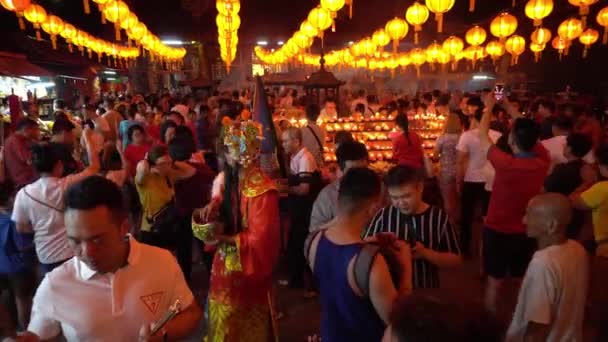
pixel 115 287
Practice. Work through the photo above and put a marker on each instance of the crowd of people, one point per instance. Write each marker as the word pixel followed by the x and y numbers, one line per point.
pixel 102 215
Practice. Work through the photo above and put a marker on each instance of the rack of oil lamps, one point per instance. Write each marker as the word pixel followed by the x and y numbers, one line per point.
pixel 375 132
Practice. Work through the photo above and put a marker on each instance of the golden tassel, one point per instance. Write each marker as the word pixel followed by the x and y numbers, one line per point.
pixel 585 52
pixel 87 8
pixel 117 30
pixel 54 42
pixel 21 22
pixel 471 5
pixel 439 22
pixel 38 35
pixel 513 3
pixel 605 38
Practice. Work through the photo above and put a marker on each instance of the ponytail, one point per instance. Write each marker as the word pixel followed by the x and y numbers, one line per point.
pixel 402 122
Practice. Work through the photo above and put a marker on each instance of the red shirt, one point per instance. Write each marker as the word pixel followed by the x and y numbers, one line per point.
pixel 517 180
pixel 134 154
pixel 18 160
pixel 153 131
pixel 408 153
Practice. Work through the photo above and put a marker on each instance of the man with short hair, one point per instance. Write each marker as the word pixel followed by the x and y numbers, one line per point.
pixel 115 287
pixel 551 303
pixel 17 153
pixel 302 185
pixel 349 155
pixel 350 312
pixel 313 136
pixel 427 228
pixel 519 177
pixel 555 145
pixel 38 207
pixel 546 117
pixel 361 99
pixel 63 134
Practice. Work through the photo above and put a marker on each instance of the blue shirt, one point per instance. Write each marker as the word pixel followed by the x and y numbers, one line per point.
pixel 12 259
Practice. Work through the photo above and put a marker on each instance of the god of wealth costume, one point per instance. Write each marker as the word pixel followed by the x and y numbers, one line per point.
pixel 241 275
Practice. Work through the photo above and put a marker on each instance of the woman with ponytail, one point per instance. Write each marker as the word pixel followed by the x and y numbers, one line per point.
pixel 407 146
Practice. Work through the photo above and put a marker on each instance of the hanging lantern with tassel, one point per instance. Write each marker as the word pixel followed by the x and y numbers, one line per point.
pixel 100 5
pixel 417 15
pixel 439 7
pixel 537 10
pixel 503 26
pixel 36 15
pixel 560 45
pixel 380 38
pixel 588 38
pixel 309 30
pixel 320 19
pixel 17 6
pixel 537 49
pixel 53 25
pixel 569 30
pixel 333 6
pixel 396 29
pixel 541 36
pixel 602 20
pixel 418 58
pixel 515 45
pixel 116 12
pixel 476 35
pixel 583 6
pixel 495 50
pixel 69 33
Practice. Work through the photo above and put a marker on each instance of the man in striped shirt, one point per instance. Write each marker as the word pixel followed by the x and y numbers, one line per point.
pixel 427 228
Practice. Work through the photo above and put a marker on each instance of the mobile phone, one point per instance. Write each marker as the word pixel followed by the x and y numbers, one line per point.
pixel 499 90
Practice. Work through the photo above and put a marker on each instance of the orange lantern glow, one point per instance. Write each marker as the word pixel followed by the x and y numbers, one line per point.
pixel 36 15
pixel 570 29
pixel 503 26
pixel 397 29
pixel 302 40
pixel 333 6
pixel 53 25
pixel 320 18
pixel 537 49
pixel 380 38
pixel 137 32
pixel 537 10
pixel 474 53
pixel 417 57
pixel 602 20
pixel 130 21
pixel 69 33
pixel 17 6
pixel 453 45
pixel 476 35
pixel 417 15
pixel 439 7
pixel 541 36
pixel 588 38
pixel 560 45
pixel 583 6
pixel 432 52
pixel 495 50
pixel 515 45
pixel 116 12
pixel 350 4
pixel 309 30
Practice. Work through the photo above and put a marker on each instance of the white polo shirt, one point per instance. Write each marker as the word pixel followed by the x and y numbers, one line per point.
pixel 303 161
pixel 46 220
pixel 88 306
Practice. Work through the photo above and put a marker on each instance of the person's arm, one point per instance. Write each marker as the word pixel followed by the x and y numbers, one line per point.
pixel 383 293
pixel 20 215
pixel 181 170
pixel 587 197
pixel 536 332
pixel 93 157
pixel 320 211
pixel 42 326
pixel 510 109
pixel 141 171
pixel 484 129
pixel 447 253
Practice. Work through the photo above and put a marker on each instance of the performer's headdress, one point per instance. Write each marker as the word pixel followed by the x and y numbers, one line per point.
pixel 243 139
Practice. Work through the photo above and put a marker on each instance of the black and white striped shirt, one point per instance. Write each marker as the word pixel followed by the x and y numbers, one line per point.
pixel 432 228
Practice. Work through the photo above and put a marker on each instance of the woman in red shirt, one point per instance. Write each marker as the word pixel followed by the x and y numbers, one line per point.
pixel 407 146
pixel 137 148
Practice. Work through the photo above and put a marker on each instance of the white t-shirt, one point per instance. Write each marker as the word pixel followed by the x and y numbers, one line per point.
pixel 46 223
pixel 310 142
pixel 556 145
pixel 478 160
pixel 301 162
pixel 88 306
pixel 553 292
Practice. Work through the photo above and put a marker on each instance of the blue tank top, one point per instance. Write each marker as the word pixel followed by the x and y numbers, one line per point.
pixel 344 315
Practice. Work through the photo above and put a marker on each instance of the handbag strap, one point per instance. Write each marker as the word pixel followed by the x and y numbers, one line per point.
pixel 316 138
pixel 41 202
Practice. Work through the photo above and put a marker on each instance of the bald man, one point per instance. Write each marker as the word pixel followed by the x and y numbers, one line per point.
pixel 551 301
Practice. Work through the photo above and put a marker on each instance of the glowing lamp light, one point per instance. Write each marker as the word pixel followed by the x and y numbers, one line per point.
pixel 396 29
pixel 541 36
pixel 17 6
pixel 36 15
pixel 309 30
pixel 503 26
pixel 560 45
pixel 537 10
pixel 569 30
pixel 476 35
pixel 381 38
pixel 228 7
pixel 53 25
pixel 515 45
pixel 439 7
pixel 320 18
pixel 602 20
pixel 116 12
pixel 417 15
pixel 583 6
pixel 495 50
pixel 537 49
pixel 453 45
pixel 333 6
pixel 588 38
